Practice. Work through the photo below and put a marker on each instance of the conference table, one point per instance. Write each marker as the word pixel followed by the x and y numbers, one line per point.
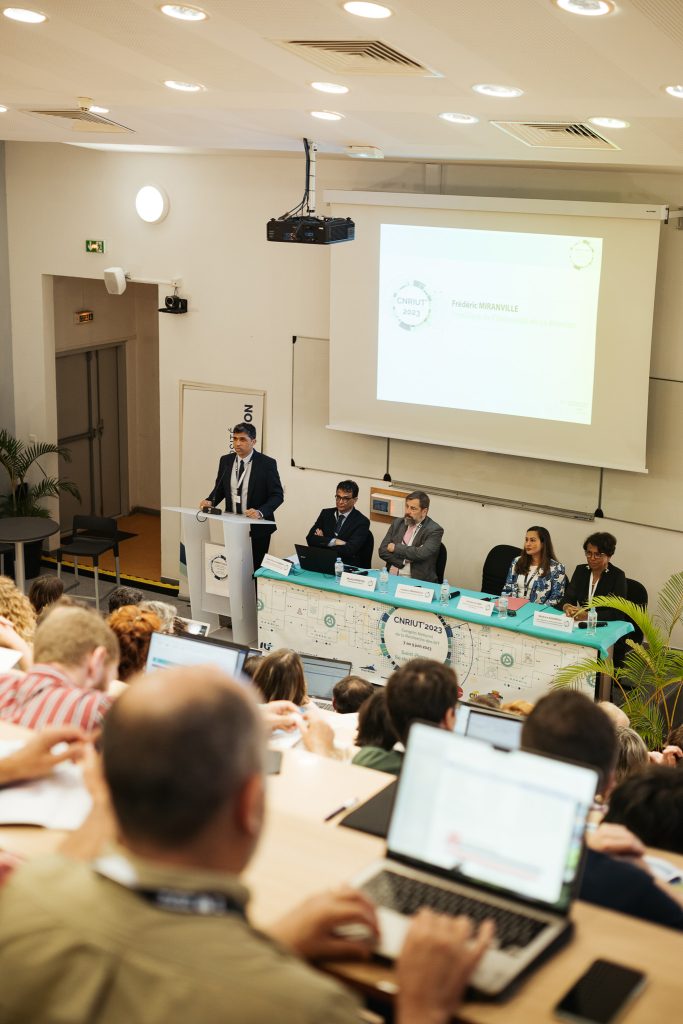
pixel 515 655
pixel 301 854
pixel 20 530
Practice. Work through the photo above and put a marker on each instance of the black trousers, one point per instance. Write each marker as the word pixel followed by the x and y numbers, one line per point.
pixel 260 542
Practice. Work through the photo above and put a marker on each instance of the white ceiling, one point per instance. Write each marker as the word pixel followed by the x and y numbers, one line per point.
pixel 258 96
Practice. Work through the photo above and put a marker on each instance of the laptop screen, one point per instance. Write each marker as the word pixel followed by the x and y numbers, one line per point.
pixel 494 729
pixel 510 820
pixel 322 673
pixel 168 651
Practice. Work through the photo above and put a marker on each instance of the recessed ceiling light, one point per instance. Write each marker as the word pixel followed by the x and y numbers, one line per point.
pixel 98 110
pixel 183 13
pixel 184 86
pixel 459 118
pixel 367 10
pixel 329 87
pixel 364 152
pixel 589 8
pixel 25 15
pixel 675 90
pixel 327 115
pixel 502 92
pixel 3 110
pixel 609 122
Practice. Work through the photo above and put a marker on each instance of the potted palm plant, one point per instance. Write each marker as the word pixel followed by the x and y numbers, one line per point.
pixel 650 679
pixel 23 497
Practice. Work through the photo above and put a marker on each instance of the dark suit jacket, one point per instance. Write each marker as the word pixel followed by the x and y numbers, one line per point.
pixel 422 554
pixel 264 492
pixel 354 532
pixel 612 583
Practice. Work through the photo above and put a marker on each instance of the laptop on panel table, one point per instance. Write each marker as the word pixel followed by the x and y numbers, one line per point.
pixel 321 675
pixel 487 833
pixel 166 650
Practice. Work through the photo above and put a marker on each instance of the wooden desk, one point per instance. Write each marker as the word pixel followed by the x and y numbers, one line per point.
pixel 299 855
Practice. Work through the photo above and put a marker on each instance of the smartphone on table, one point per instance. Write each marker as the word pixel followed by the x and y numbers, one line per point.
pixel 601 995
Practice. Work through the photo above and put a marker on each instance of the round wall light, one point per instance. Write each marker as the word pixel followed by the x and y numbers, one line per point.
pixel 151 204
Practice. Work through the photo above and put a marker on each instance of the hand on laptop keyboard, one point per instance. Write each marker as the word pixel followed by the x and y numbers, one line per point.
pixel 438 958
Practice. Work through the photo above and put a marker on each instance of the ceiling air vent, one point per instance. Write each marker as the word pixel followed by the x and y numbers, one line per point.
pixel 555 135
pixel 81 120
pixel 355 56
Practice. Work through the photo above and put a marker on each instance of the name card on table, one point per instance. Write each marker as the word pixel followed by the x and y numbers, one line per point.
pixel 476 605
pixel 549 620
pixel 423 594
pixel 279 565
pixel 354 581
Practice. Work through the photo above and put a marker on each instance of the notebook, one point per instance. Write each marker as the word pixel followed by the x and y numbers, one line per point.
pixel 321 675
pixel 487 833
pixel 168 651
pixel 504 731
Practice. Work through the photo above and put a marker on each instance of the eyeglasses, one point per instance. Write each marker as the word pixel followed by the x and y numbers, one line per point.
pixel 595 554
pixel 343 497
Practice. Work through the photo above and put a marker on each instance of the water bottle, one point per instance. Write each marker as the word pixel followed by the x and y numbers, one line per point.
pixel 445 592
pixel 383 582
pixel 503 606
pixel 338 570
pixel 592 621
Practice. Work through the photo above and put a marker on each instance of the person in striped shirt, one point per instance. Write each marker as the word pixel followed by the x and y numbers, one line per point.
pixel 76 656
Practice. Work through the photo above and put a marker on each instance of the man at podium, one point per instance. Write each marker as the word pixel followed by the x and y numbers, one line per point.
pixel 249 483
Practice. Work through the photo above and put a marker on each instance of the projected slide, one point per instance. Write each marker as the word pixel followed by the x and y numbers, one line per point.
pixel 489 321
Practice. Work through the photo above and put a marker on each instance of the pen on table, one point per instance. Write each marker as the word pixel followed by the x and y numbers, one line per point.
pixel 344 807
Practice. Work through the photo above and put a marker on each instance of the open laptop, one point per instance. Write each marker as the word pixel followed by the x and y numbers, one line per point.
pixel 317 559
pixel 480 723
pixel 487 833
pixel 168 651
pixel 321 675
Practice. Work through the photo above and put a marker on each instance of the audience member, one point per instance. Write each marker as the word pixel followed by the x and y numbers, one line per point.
pixel 486 700
pixel 45 590
pixel 377 737
pixel 280 676
pixel 121 596
pixel 632 754
pixel 675 737
pixel 650 804
pixel 421 689
pixel 617 716
pixel 76 656
pixel 250 665
pixel 36 758
pixel 523 708
pixel 183 761
pixel 17 608
pixel 133 626
pixel 568 725
pixel 165 612
pixel 10 639
pixel 349 693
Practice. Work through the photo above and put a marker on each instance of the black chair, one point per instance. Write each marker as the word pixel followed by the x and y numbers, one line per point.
pixel 496 566
pixel 90 537
pixel 440 566
pixel 637 593
pixel 364 556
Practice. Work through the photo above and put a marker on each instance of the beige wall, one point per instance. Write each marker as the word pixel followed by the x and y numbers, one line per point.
pixel 249 297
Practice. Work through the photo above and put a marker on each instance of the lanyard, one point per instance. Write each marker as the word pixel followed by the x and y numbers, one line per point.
pixel 203 903
pixel 529 582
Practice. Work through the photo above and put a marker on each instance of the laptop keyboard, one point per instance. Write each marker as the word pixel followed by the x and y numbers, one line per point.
pixel 407 895
pixel 326 705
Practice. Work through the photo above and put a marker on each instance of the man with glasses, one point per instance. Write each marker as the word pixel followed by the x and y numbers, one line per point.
pixel 249 483
pixel 411 546
pixel 343 526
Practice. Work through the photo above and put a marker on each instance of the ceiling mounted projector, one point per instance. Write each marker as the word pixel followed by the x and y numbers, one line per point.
pixel 301 224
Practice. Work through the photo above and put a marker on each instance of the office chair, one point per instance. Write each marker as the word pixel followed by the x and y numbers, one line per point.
pixel 440 566
pixel 496 566
pixel 637 593
pixel 90 537
pixel 364 556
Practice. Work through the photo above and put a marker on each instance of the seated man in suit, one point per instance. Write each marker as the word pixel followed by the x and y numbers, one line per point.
pixel 343 526
pixel 412 543
pixel 250 484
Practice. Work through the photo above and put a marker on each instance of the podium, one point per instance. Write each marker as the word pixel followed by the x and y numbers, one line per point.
pixel 241 603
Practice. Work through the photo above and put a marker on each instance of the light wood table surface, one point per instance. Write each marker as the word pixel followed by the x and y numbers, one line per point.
pixel 299 855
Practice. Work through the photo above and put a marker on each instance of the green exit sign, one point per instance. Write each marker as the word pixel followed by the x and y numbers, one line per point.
pixel 94 245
